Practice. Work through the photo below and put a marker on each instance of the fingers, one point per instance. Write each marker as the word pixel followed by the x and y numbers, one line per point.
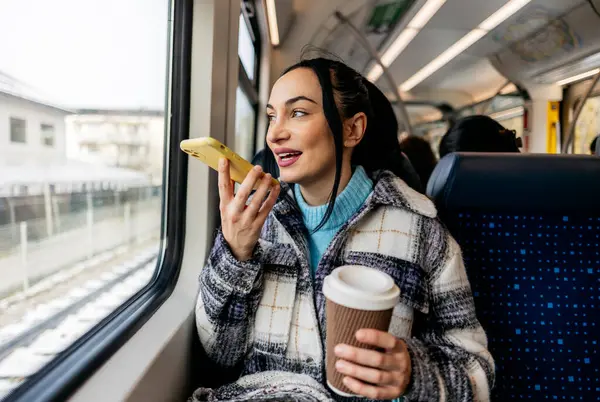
pixel 268 205
pixel 225 185
pixel 246 187
pixel 379 339
pixel 365 357
pixel 365 374
pixel 373 392
pixel 376 375
pixel 259 196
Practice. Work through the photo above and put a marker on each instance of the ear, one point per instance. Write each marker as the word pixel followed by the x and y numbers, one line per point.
pixel 354 130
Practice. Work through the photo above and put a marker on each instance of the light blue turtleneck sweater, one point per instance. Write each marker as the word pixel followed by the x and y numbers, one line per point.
pixel 346 205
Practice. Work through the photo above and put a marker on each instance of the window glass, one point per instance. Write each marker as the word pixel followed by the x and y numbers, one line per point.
pixel 82 85
pixel 587 126
pixel 17 130
pixel 47 131
pixel 246 48
pixel 244 125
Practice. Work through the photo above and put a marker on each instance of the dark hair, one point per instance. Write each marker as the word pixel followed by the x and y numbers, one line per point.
pixel 593 145
pixel 379 149
pixel 478 134
pixel 421 156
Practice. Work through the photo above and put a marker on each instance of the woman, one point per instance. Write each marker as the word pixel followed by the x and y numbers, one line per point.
pixel 479 133
pixel 260 314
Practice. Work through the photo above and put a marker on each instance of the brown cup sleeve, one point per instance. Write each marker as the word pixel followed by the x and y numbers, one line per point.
pixel 342 325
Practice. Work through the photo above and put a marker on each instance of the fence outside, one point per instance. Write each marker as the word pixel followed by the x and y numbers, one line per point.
pixel 28 251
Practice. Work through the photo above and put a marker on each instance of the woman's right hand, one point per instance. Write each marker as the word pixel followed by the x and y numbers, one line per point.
pixel 242 224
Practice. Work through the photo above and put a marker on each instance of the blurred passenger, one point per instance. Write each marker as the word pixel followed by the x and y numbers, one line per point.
pixel 421 156
pixel 479 134
pixel 593 145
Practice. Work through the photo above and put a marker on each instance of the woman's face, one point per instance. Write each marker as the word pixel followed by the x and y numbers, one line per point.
pixel 298 134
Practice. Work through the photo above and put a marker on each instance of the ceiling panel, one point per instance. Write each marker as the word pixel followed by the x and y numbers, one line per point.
pixel 464 14
pixel 428 44
pixel 531 18
pixel 528 20
pixel 471 71
pixel 467 77
pixel 473 75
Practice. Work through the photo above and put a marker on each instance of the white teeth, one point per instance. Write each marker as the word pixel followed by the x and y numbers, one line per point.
pixel 288 155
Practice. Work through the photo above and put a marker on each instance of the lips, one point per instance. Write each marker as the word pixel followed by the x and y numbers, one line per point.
pixel 287 156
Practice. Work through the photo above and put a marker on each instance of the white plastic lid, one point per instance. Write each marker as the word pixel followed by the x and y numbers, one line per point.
pixel 361 288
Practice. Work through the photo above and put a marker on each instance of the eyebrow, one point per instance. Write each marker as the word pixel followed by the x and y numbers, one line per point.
pixel 294 100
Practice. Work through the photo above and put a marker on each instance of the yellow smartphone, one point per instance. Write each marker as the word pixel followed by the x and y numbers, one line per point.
pixel 210 150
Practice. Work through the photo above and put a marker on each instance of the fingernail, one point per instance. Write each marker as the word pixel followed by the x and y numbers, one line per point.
pixel 222 162
pixel 339 349
pixel 258 168
pixel 340 365
pixel 268 176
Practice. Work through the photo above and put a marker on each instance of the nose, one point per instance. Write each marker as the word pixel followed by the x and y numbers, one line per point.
pixel 277 132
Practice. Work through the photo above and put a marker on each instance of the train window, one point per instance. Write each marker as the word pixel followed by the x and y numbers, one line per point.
pixel 246 104
pixel 245 119
pixel 246 48
pixel 87 80
pixel 249 42
pixel 587 126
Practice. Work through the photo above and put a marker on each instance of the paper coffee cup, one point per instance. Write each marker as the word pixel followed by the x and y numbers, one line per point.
pixel 356 297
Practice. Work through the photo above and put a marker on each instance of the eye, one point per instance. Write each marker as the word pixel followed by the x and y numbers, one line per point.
pixel 270 117
pixel 298 113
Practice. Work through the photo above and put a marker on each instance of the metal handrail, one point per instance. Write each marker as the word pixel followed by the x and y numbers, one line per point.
pixel 375 56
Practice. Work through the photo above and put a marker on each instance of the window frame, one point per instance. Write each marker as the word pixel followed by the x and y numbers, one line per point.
pixel 250 87
pixel 248 11
pixel 61 377
pixel 10 128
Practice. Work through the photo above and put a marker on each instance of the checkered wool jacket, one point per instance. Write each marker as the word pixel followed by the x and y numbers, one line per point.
pixel 267 314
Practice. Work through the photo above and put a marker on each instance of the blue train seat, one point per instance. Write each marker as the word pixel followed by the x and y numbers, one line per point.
pixel 529 229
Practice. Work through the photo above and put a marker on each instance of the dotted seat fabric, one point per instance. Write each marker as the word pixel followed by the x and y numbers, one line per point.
pixel 529 229
pixel 536 284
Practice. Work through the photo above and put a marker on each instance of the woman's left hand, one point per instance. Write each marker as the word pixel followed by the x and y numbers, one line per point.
pixel 373 374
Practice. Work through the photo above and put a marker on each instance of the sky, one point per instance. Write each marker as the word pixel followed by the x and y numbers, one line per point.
pixel 88 53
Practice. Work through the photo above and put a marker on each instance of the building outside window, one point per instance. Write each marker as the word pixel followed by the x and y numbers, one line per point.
pixel 47 134
pixel 18 128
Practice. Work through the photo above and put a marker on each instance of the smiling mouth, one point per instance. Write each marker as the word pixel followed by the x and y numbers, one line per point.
pixel 289 155
pixel 286 159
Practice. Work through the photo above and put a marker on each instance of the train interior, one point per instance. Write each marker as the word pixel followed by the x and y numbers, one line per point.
pixel 528 223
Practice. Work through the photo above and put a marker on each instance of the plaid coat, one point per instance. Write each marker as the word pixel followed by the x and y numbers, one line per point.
pixel 267 314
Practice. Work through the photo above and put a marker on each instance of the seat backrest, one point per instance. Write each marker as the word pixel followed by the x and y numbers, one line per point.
pixel 529 229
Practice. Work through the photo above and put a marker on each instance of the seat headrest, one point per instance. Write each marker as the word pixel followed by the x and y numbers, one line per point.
pixel 519 182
